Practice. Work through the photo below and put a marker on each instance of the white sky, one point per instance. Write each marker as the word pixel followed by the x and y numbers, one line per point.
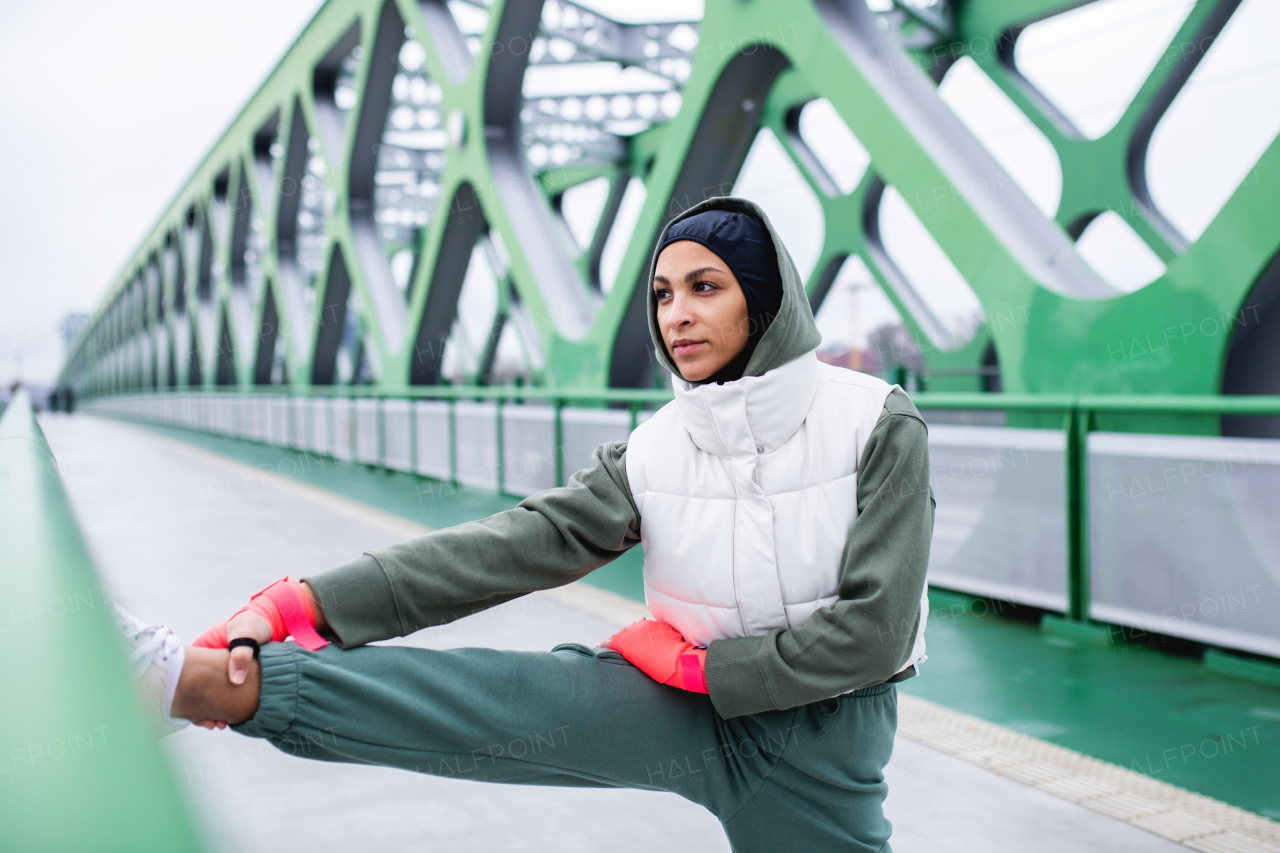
pixel 109 107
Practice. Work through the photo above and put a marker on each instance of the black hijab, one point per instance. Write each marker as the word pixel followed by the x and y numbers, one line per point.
pixel 742 242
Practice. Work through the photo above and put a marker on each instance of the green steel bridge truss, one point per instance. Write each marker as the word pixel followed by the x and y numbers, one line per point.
pixel 326 238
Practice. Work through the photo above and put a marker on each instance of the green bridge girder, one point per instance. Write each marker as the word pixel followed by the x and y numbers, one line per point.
pixel 275 264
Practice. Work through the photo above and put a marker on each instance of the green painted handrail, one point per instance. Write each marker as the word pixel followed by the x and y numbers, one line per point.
pixel 425 392
pixel 1172 404
pixel 1164 404
pixel 79 767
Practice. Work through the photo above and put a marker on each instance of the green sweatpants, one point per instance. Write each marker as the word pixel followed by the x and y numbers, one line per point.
pixel 807 778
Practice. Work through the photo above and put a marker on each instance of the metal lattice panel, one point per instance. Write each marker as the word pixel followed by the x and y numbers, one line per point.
pixel 1184 539
pixel 999 523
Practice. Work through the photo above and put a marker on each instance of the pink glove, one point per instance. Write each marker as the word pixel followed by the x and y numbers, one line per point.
pixel 663 654
pixel 286 606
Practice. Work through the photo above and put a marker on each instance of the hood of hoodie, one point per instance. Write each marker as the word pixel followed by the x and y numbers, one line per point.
pixel 792 332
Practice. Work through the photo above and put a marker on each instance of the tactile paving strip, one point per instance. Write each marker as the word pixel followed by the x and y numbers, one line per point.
pixel 1193 820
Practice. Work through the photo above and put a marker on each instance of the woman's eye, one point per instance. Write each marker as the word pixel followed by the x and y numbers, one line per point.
pixel 661 294
pixel 708 285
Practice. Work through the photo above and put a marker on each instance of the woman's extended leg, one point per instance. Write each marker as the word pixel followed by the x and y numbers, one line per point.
pixel 572 717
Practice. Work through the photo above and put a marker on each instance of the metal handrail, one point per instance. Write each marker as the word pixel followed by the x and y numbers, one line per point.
pixel 441 392
pixel 1176 404
pixel 79 767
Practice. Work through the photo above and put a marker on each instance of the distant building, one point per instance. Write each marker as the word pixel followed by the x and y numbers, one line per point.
pixel 885 348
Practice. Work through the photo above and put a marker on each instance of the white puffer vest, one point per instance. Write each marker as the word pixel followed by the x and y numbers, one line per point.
pixel 747 492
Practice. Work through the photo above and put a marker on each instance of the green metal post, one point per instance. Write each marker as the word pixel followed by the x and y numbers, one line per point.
pixel 559 441
pixel 332 419
pixel 453 441
pixel 382 431
pixel 1077 516
pixel 413 436
pixel 1077 423
pixel 502 450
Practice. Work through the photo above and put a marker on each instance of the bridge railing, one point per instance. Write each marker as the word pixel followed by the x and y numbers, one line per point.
pixel 513 440
pixel 1157 533
pixel 79 768
pixel 1148 534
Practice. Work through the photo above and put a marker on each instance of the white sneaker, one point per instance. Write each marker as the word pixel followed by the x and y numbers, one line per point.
pixel 157 656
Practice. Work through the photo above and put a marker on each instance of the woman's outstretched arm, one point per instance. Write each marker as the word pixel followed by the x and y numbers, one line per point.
pixel 868 634
pixel 550 539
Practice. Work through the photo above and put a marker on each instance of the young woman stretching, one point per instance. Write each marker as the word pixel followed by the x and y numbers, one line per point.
pixel 785 512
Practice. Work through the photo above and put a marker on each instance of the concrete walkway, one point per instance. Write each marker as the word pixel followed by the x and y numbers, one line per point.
pixel 184 537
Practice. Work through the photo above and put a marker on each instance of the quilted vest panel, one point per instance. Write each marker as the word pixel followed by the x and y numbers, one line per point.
pixel 747 492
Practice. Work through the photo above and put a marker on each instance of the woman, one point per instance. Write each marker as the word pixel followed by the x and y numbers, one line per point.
pixel 764 690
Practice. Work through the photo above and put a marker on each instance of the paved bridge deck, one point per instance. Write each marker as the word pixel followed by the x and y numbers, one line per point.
pixel 183 534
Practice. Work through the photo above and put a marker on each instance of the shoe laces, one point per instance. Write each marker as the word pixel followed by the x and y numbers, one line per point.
pixel 160 642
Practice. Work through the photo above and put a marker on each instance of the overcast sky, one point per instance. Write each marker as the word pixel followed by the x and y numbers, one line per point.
pixel 108 107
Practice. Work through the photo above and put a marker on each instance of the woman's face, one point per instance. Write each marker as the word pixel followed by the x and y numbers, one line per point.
pixel 702 311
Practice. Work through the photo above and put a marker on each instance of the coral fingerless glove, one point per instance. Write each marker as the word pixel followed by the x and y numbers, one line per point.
pixel 286 606
pixel 663 654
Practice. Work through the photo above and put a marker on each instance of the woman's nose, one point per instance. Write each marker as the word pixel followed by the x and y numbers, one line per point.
pixel 679 314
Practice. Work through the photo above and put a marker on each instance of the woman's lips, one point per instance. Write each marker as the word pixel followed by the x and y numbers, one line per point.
pixel 685 349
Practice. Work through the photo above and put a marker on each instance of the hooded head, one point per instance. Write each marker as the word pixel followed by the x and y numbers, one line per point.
pixel 779 323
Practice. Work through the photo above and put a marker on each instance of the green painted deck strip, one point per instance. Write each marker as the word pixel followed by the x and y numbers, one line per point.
pixel 1160 714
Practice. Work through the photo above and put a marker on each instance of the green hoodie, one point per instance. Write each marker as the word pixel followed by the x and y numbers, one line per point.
pixel 559 535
